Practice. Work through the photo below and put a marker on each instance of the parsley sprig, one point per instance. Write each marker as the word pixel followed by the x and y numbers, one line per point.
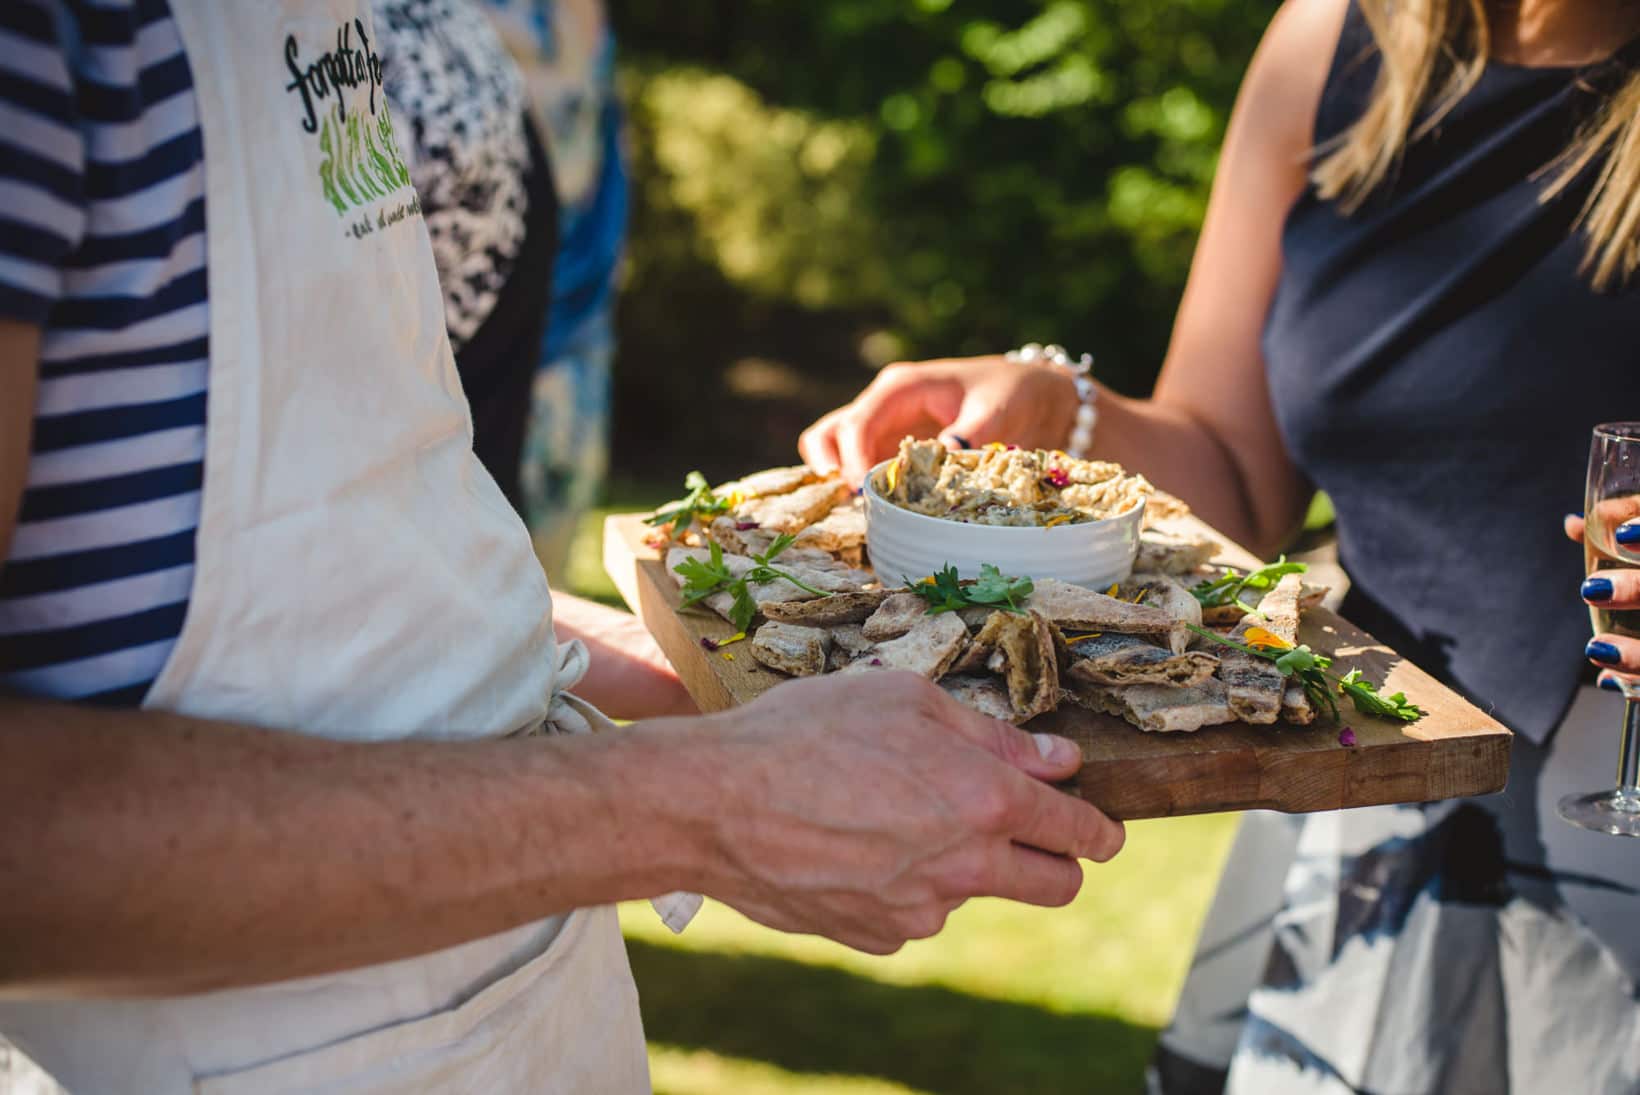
pixel 704 577
pixel 1228 588
pixel 1368 701
pixel 1310 670
pixel 945 592
pixel 700 503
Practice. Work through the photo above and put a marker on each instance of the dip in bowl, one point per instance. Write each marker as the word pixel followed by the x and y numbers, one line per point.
pixel 1001 509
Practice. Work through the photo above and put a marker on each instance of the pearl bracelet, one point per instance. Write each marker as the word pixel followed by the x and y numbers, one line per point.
pixel 1081 370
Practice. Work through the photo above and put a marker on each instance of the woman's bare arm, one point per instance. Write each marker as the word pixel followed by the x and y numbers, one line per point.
pixel 629 677
pixel 1209 431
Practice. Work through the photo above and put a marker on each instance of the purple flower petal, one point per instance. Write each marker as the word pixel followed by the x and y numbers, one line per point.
pixel 708 644
pixel 1346 736
pixel 876 661
pixel 743 526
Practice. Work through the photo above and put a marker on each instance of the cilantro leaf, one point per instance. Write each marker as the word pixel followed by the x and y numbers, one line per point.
pixel 996 588
pixel 946 592
pixel 704 577
pixel 1228 588
pixel 942 590
pixel 1369 701
pixel 744 609
pixel 1310 670
pixel 1301 659
pixel 700 503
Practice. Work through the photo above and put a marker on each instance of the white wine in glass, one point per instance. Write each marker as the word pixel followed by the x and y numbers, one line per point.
pixel 1612 501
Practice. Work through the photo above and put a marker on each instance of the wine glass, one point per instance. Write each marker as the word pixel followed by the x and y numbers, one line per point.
pixel 1613 498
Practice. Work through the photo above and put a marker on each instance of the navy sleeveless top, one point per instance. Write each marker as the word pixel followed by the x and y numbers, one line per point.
pixel 1436 364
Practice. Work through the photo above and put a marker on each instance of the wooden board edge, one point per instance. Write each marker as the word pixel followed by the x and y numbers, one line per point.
pixel 1127 789
pixel 670 632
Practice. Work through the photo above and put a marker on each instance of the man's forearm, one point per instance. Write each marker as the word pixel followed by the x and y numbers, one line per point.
pixel 146 853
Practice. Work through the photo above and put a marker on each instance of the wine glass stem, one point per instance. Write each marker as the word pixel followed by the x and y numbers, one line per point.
pixel 1628 761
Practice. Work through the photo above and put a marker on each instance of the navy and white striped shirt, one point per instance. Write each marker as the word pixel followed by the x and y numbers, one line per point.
pixel 102 244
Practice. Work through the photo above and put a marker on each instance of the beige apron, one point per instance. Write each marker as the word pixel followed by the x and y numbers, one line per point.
pixel 359 576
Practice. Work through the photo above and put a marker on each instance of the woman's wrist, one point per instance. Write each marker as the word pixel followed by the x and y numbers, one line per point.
pixel 1080 400
pixel 1062 409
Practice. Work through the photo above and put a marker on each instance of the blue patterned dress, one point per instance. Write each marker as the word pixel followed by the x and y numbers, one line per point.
pixel 567 54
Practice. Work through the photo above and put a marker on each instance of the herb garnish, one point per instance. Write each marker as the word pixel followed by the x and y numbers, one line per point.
pixel 1310 670
pixel 1227 588
pixel 704 577
pixel 1368 701
pixel 945 592
pixel 700 503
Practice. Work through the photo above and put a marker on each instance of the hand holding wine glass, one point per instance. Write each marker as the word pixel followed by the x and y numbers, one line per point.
pixel 1611 552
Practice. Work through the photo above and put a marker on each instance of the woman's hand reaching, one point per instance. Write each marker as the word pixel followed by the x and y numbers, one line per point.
pixel 965 402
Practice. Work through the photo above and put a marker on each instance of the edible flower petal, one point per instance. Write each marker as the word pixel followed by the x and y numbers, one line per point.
pixel 1257 636
pixel 1059 477
pixel 1059 520
pixel 1346 736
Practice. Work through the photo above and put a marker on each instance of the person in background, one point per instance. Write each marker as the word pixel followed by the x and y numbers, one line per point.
pixel 480 162
pixel 481 170
pixel 566 53
pixel 1415 288
pixel 513 141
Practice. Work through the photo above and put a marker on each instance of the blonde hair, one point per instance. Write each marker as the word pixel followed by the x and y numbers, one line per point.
pixel 1432 53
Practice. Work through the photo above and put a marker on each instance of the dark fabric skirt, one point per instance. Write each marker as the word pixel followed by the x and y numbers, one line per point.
pixel 498 363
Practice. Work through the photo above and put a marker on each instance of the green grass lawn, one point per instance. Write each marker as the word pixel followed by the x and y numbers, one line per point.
pixel 1008 999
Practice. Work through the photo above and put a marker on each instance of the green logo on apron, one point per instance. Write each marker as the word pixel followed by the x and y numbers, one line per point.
pixel 361 159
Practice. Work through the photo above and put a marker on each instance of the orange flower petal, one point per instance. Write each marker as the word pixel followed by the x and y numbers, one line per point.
pixel 1257 636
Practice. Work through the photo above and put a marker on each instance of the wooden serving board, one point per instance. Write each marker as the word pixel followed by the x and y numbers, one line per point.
pixel 1454 751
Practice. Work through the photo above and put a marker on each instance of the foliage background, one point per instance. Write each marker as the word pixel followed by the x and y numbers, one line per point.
pixel 822 187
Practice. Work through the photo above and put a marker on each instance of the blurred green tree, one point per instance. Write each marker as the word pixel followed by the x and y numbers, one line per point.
pixel 828 181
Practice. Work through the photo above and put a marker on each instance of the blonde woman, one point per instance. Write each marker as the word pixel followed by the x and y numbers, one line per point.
pixel 1414 289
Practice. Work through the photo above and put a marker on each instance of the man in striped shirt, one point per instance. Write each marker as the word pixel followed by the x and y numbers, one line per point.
pixel 150 854
pixel 102 245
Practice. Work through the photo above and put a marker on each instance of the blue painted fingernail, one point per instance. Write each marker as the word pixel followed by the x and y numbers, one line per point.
pixel 964 443
pixel 1627 534
pixel 1597 589
pixel 1605 653
pixel 1609 683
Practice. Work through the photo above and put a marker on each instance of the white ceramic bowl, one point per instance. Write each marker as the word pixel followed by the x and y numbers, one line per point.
pixel 903 544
